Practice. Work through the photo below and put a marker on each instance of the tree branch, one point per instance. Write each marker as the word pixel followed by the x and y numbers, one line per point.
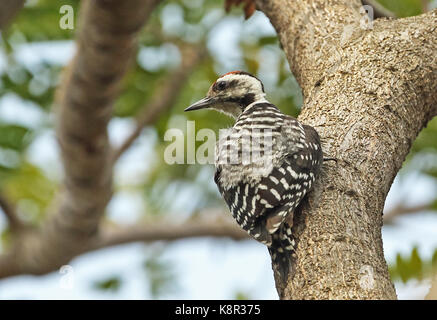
pixel 368 92
pixel 217 227
pixel 401 209
pixel 106 43
pixel 8 10
pixel 167 231
pixel 165 97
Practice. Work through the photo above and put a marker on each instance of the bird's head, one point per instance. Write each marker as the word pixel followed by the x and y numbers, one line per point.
pixel 231 93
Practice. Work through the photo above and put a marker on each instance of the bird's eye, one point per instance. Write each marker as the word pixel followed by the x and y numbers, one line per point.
pixel 221 85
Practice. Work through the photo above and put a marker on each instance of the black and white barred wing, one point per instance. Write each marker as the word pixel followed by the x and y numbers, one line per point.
pixel 261 209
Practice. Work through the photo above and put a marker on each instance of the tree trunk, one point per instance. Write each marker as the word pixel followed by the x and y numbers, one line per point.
pixel 368 91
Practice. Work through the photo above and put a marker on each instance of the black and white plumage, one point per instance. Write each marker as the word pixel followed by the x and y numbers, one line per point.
pixel 265 164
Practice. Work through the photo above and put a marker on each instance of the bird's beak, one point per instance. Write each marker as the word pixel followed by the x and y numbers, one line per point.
pixel 201 104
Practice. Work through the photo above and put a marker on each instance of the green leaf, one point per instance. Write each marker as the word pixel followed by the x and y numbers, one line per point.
pixel 14 137
pixel 403 8
pixel 252 65
pixel 413 267
pixel 434 205
pixel 37 87
pixel 416 265
pixel 161 276
pixel 268 40
pixel 47 15
pixel 434 262
pixel 29 189
pixel 426 141
pixel 401 268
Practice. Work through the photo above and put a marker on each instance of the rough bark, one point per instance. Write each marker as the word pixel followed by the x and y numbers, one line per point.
pixel 368 92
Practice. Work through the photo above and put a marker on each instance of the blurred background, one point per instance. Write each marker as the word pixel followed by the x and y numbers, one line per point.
pixel 33 52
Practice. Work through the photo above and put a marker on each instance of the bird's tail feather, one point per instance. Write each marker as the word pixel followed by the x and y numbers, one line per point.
pixel 282 251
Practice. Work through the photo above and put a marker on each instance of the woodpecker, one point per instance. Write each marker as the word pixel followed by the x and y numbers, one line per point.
pixel 264 189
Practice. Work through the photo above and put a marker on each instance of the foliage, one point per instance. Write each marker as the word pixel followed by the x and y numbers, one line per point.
pixel 413 267
pixel 31 190
pixel 240 295
pixel 111 284
pixel 404 8
pixel 13 137
pixel 160 274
